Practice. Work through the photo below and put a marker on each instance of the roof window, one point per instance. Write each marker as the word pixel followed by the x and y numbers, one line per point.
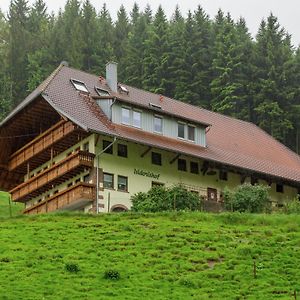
pixel 102 92
pixel 155 106
pixel 123 89
pixel 79 85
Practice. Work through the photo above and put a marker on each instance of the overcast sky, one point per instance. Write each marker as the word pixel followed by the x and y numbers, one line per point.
pixel 287 11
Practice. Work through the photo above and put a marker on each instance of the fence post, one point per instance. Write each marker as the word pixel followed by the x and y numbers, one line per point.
pixel 254 269
pixel 174 202
pixel 9 204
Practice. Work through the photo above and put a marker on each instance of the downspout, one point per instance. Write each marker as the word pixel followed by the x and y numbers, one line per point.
pixel 97 172
pixel 110 108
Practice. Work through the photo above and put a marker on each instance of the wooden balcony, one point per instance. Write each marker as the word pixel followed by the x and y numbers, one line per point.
pixel 67 168
pixel 74 197
pixel 57 138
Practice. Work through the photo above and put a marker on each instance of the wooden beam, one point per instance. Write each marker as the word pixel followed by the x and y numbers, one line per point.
pixel 175 158
pixel 145 152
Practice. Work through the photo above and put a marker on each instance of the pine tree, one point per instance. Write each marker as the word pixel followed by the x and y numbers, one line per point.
pixel 272 99
pixel 18 47
pixel 156 57
pixel 121 40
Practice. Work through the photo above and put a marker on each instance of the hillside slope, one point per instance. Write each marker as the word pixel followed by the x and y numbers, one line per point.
pixel 6 209
pixel 163 256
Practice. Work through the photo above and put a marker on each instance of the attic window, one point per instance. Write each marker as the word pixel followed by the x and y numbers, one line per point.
pixel 101 92
pixel 79 85
pixel 123 89
pixel 155 106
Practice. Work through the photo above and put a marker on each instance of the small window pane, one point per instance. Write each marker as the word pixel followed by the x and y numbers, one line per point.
pixel 181 164
pixel 108 181
pixel 191 133
pixel 279 188
pixel 158 124
pixel 122 150
pixel 122 183
pixel 80 86
pixel 156 158
pixel 86 147
pixel 102 93
pixel 108 150
pixel 194 168
pixel 125 116
pixel 137 119
pixel 181 130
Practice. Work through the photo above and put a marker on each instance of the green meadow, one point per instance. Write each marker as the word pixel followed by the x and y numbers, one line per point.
pixel 150 256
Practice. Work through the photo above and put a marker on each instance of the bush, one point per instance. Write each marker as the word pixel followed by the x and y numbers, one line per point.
pixel 291 207
pixel 112 275
pixel 248 198
pixel 71 267
pixel 159 199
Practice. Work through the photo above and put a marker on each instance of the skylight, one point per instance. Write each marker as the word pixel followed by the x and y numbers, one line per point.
pixel 79 85
pixel 123 89
pixel 101 92
pixel 155 106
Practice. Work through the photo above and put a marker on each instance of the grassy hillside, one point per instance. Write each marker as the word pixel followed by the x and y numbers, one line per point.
pixel 5 207
pixel 165 256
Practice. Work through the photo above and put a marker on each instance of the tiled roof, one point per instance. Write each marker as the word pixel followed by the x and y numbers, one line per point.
pixel 229 141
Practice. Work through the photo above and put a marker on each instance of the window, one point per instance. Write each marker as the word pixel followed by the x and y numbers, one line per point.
pixel 191 133
pixel 212 194
pixel 194 167
pixel 86 147
pixel 79 85
pixel 101 92
pixel 86 178
pixel 122 150
pixel 279 188
pixel 180 130
pixel 122 183
pixel 223 175
pixel 105 145
pixel 156 158
pixel 158 124
pixel 181 164
pixel 126 116
pixel 136 119
pixel 108 181
pixel 123 89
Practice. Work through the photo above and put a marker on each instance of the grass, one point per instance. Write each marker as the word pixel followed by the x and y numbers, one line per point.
pixel 5 208
pixel 150 256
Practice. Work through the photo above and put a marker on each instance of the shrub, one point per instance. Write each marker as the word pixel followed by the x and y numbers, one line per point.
pixel 112 275
pixel 71 267
pixel 159 199
pixel 292 207
pixel 248 198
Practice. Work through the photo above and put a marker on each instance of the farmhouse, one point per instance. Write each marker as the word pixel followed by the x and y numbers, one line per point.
pixel 82 142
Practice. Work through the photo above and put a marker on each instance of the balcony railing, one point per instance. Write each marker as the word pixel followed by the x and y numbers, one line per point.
pixel 59 133
pixel 67 168
pixel 74 197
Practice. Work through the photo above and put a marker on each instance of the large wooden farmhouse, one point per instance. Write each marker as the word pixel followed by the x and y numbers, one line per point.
pixel 82 142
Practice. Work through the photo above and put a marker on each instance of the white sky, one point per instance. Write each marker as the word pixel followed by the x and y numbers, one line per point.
pixel 288 11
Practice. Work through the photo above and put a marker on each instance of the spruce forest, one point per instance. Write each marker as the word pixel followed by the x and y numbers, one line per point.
pixel 209 61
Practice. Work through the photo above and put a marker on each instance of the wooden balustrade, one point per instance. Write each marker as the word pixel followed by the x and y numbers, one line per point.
pixel 56 174
pixel 37 147
pixel 74 197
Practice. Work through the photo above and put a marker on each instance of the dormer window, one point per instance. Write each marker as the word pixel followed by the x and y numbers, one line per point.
pixel 79 85
pixel 102 92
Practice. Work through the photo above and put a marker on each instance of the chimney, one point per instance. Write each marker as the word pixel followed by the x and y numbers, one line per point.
pixel 112 76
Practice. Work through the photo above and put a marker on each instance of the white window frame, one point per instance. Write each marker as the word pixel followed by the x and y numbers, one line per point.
pixel 129 110
pixel 184 131
pixel 79 85
pixel 162 124
pixel 191 126
pixel 139 112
